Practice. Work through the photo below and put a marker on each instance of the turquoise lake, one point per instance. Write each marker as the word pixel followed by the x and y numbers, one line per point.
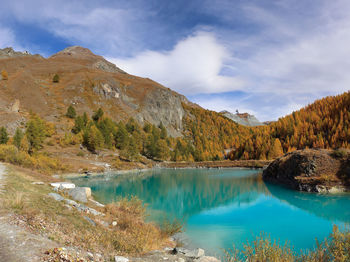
pixel 222 207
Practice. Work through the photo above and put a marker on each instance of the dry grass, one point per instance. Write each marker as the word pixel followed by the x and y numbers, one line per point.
pixel 335 248
pixel 40 162
pixel 42 214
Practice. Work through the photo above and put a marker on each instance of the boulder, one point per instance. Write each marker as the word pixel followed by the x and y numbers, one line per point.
pixel 196 253
pixel 71 202
pixel 56 196
pixel 63 185
pixel 310 170
pixel 80 194
pixel 120 259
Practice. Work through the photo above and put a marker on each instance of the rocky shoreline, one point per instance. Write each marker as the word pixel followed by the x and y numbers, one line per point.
pixel 312 170
pixel 63 191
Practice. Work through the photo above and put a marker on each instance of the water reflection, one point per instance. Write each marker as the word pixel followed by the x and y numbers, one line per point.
pixel 180 193
pixel 331 207
pixel 227 206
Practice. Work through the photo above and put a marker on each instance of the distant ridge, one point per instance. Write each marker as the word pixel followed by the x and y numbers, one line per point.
pixel 242 118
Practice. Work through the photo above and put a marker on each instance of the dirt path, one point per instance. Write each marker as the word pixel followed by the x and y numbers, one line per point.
pixel 16 244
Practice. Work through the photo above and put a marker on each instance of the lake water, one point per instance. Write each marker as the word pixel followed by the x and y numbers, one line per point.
pixel 222 207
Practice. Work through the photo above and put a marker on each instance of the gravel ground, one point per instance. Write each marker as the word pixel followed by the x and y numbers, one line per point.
pixel 16 244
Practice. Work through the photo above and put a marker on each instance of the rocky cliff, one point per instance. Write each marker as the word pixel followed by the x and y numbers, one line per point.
pixel 242 118
pixel 88 82
pixel 311 170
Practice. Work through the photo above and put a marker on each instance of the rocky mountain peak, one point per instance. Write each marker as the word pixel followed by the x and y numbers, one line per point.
pixel 75 51
pixel 10 52
pixel 82 53
pixel 242 118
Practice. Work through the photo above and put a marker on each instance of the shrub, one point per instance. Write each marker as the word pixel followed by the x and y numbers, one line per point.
pixel 4 75
pixel 170 228
pixel 339 153
pixel 335 248
pixel 81 154
pixel 71 112
pixel 56 78
pixel 10 154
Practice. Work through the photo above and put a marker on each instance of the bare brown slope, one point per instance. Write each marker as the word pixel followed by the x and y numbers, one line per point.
pixel 87 81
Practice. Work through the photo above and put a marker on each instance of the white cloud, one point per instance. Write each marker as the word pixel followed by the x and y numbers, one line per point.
pixel 282 54
pixel 7 38
pixel 192 66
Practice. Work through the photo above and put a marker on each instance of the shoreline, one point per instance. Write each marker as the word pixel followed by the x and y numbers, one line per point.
pixel 225 164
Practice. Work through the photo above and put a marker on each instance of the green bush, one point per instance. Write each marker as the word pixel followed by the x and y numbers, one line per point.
pixel 71 112
pixel 56 78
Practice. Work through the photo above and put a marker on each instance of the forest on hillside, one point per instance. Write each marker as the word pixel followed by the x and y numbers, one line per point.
pixel 207 135
pixel 322 124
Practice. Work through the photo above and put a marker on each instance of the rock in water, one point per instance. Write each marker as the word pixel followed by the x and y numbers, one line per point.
pixel 310 170
pixel 80 194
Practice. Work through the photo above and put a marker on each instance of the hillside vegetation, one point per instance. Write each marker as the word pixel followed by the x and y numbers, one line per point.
pixel 138 119
pixel 323 124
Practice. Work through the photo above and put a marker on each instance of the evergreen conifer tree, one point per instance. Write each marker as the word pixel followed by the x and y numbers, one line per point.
pixel 3 135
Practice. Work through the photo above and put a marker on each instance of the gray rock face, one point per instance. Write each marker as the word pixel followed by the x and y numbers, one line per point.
pixel 242 119
pixel 164 106
pixel 80 194
pixel 9 52
pixel 56 196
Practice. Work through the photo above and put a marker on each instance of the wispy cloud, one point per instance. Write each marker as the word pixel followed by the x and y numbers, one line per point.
pixel 280 54
pixel 193 66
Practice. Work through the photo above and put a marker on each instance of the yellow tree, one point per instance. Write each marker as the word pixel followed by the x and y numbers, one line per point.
pixel 276 149
pixel 4 75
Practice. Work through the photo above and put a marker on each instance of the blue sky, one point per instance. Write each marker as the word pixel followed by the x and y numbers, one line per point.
pixel 266 57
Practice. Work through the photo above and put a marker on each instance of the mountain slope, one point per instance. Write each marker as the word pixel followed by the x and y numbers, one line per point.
pixel 87 81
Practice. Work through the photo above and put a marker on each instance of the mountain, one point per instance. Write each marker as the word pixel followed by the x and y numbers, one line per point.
pixel 88 82
pixel 242 118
